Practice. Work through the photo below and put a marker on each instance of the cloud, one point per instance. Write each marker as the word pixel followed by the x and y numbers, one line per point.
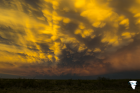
pixel 54 37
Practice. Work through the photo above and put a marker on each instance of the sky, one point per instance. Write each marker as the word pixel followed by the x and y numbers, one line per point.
pixel 65 39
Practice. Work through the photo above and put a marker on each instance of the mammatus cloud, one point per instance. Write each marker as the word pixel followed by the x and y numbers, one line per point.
pixel 83 37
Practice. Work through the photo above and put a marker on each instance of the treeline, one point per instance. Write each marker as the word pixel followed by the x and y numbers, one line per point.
pixel 101 83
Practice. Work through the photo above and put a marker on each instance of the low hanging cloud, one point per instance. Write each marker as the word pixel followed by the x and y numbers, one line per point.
pixel 83 37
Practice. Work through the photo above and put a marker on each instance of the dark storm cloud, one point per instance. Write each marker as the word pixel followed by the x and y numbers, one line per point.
pixel 121 7
pixel 75 16
pixel 6 64
pixel 8 30
pixel 69 28
pixel 70 58
pixel 1 3
pixel 10 35
pixel 31 46
pixel 22 54
pixel 34 7
pixel 89 42
pixel 92 43
pixel 33 3
pixel 3 40
pixel 131 46
pixel 44 47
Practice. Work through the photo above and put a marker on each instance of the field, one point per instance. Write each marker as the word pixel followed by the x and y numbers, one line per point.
pixel 101 85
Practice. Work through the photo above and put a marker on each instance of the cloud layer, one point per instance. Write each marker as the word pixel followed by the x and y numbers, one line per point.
pixel 83 37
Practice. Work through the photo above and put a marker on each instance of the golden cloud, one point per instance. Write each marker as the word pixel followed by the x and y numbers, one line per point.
pixel 45 31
